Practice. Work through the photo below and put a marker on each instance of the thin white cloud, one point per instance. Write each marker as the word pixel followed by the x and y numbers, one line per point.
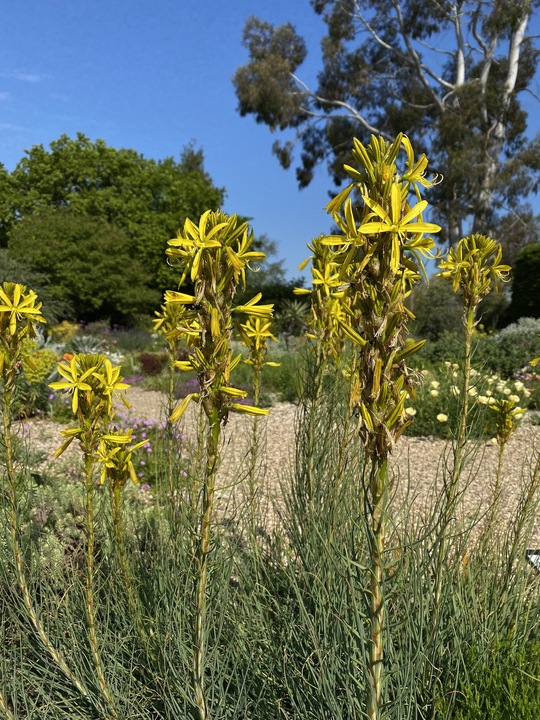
pixel 10 126
pixel 27 77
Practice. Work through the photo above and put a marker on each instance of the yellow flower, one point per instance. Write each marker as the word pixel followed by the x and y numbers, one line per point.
pixel 410 411
pixel 442 418
pixel 75 380
pixel 434 393
pixel 17 304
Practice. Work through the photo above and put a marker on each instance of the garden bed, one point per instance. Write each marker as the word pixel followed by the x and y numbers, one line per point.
pixel 417 462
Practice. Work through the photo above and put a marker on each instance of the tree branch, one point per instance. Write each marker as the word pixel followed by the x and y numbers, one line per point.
pixel 352 112
pixel 414 58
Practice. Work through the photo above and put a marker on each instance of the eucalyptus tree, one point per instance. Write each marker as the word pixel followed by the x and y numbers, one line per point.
pixel 451 74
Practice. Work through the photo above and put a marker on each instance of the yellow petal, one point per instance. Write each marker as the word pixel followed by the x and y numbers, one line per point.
pixel 182 407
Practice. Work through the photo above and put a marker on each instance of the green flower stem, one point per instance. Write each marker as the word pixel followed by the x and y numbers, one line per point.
pixel 452 487
pixel 89 585
pixel 199 660
pixel 253 453
pixel 170 431
pixel 495 500
pixel 17 553
pixel 118 528
pixel 379 495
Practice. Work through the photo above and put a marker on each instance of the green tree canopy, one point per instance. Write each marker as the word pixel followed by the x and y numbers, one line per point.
pixel 89 264
pixel 449 73
pixel 526 285
pixel 145 200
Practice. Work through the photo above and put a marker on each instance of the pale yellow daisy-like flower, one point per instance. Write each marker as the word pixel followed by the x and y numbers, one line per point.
pixel 473 391
pixel 434 393
pixel 514 398
pixel 410 411
pixel 442 418
pixel 483 399
pixel 454 390
pixel 519 385
pixel 435 384
pixel 506 391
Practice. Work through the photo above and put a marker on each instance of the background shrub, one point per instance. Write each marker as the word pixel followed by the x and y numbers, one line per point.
pixel 526 284
pixel 153 363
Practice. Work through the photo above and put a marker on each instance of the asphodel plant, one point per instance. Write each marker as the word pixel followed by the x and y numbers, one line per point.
pixel 214 256
pixel 377 256
pixel 168 320
pixel 255 334
pixel 92 381
pixel 475 268
pixel 20 311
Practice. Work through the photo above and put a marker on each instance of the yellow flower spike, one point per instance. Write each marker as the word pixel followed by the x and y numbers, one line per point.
pixel 18 304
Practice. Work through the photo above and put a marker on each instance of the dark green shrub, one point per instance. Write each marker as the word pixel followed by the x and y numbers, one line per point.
pixel 526 284
pixel 512 348
pixel 153 363
pixel 503 686
pixel 437 308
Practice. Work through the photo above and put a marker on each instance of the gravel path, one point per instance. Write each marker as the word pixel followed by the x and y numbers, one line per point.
pixel 420 459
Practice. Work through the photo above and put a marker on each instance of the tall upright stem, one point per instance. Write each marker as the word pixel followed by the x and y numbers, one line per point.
pixel 453 484
pixel 377 512
pixel 253 453
pixel 89 584
pixel 116 508
pixel 199 660
pixel 17 552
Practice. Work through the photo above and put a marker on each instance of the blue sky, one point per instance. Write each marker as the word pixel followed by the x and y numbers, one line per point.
pixel 153 75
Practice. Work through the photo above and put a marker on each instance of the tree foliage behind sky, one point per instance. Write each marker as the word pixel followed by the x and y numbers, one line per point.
pixel 147 200
pixel 95 220
pixel 451 74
